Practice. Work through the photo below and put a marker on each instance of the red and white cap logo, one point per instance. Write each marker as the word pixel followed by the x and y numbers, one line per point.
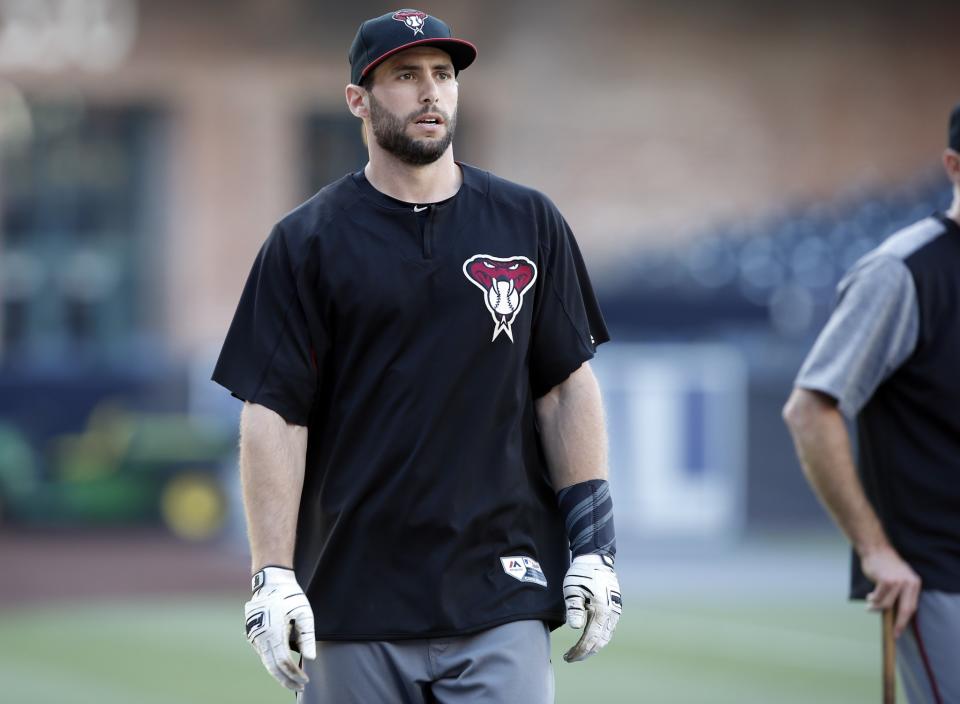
pixel 504 282
pixel 414 19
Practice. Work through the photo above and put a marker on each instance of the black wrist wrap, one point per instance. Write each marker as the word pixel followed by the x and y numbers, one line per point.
pixel 587 511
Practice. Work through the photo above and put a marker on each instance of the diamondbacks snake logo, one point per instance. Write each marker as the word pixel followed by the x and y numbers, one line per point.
pixel 414 19
pixel 504 283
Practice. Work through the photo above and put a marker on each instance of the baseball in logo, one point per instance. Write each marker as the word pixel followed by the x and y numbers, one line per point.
pixel 504 282
pixel 414 19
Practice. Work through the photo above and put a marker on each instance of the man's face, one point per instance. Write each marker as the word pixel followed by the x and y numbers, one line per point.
pixel 413 105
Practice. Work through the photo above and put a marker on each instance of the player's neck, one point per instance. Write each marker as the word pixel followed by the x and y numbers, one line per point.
pixel 954 212
pixel 429 183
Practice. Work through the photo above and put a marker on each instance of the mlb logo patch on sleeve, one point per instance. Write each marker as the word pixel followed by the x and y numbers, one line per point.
pixel 524 569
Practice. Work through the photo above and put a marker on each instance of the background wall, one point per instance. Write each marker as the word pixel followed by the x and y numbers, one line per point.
pixel 646 122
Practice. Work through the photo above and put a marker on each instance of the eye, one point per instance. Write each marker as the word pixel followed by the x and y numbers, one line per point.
pixel 489 265
pixel 406 76
pixel 444 76
pixel 514 266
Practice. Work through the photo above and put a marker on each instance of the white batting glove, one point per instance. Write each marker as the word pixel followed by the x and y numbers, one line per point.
pixel 592 593
pixel 278 616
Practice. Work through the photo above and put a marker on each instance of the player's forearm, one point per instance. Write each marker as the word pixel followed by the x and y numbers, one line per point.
pixel 272 461
pixel 823 447
pixel 572 430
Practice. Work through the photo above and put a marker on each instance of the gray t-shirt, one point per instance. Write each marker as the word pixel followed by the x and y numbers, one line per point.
pixel 875 325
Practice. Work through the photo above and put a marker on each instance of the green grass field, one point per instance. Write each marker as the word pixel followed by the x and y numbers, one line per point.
pixel 185 652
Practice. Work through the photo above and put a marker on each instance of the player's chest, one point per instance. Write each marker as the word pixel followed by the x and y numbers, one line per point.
pixel 433 268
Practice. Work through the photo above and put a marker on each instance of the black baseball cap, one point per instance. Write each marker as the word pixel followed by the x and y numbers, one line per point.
pixel 382 37
pixel 953 136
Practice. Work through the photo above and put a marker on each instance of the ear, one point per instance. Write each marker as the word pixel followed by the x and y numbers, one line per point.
pixel 357 101
pixel 951 164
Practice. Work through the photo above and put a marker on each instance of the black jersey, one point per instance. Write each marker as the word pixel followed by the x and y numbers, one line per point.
pixel 413 341
pixel 890 355
pixel 909 430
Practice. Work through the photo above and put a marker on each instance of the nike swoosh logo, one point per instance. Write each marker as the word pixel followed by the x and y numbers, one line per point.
pixel 418 209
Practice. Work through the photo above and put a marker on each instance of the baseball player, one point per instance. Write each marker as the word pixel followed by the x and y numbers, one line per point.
pixel 889 357
pixel 422 439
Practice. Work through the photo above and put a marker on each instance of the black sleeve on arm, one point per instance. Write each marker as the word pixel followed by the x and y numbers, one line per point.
pixel 568 324
pixel 271 354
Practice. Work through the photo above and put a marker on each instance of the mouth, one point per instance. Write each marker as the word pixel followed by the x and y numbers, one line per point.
pixel 430 120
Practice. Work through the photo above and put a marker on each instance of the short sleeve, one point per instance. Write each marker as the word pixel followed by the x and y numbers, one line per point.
pixel 568 324
pixel 872 331
pixel 270 355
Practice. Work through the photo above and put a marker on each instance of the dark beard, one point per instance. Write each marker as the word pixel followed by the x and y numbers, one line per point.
pixel 389 131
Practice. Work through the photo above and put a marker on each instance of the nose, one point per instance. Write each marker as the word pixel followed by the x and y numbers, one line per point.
pixel 430 92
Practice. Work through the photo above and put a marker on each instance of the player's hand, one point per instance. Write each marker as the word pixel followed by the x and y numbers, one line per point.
pixel 896 586
pixel 278 617
pixel 592 593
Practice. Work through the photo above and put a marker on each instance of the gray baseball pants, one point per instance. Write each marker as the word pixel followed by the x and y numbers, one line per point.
pixel 509 663
pixel 928 652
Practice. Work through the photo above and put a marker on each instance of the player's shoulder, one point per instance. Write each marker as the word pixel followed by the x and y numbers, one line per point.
pixel 523 199
pixel 310 218
pixel 897 256
pixel 910 240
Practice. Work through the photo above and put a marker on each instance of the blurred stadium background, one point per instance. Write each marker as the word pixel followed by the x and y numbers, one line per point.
pixel 722 164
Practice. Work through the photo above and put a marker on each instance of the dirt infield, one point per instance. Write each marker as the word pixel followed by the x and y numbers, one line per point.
pixel 61 565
